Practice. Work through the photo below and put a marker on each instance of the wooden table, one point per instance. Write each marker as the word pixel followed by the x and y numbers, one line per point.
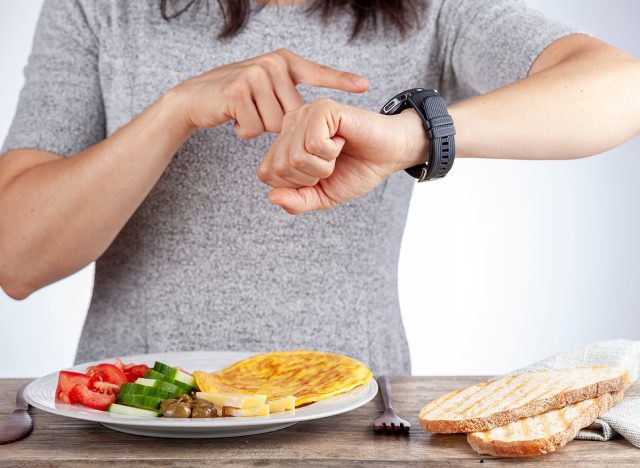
pixel 341 440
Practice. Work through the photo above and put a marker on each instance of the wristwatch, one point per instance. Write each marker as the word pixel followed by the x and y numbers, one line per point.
pixel 432 109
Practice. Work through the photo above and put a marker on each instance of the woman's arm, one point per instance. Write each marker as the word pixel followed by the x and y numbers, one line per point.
pixel 581 97
pixel 59 214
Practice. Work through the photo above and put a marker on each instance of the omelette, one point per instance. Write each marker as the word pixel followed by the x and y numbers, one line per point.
pixel 310 376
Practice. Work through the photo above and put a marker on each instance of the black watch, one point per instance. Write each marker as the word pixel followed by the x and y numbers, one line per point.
pixel 432 109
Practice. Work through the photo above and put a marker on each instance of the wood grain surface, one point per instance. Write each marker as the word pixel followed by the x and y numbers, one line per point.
pixel 344 440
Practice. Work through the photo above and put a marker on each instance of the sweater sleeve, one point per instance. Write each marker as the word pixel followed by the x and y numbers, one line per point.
pixel 487 45
pixel 60 108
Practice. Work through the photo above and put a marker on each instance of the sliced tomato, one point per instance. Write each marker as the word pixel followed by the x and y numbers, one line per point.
pixel 67 380
pixel 112 373
pixel 105 387
pixel 99 382
pixel 119 364
pixel 100 401
pixel 135 371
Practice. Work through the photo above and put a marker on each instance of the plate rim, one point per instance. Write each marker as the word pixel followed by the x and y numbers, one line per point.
pixel 369 390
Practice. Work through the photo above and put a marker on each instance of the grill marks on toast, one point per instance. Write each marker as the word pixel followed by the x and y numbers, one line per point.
pixel 496 403
pixel 543 433
pixel 477 407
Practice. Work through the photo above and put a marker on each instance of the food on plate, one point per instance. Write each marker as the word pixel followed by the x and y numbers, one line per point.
pixel 544 433
pixel 527 414
pixel 135 371
pixel 257 386
pixel 262 410
pixel 146 390
pixel 67 380
pixel 97 388
pixel 499 402
pixel 287 403
pixel 122 410
pixel 186 406
pixel 309 376
pixel 154 374
pixel 92 399
pixel 159 384
pixel 233 399
pixel 203 409
pixel 139 401
pixel 174 374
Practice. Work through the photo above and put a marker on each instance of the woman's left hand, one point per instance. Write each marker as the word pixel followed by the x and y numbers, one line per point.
pixel 328 153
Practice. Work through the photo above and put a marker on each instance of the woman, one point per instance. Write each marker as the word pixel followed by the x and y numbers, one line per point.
pixel 125 150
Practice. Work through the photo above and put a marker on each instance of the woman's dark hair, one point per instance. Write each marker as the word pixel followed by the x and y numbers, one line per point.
pixel 402 14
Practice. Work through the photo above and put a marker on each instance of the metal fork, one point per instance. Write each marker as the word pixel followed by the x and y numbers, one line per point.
pixel 19 424
pixel 389 422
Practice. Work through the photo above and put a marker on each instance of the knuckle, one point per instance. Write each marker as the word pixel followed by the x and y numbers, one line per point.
pixel 289 119
pixel 326 170
pixel 283 52
pixel 314 146
pixel 280 167
pixel 275 60
pixel 242 133
pixel 297 159
pixel 273 127
pixel 263 174
pixel 248 132
pixel 305 109
pixel 254 72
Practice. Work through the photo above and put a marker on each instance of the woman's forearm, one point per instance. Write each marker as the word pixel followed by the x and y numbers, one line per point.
pixel 58 216
pixel 586 103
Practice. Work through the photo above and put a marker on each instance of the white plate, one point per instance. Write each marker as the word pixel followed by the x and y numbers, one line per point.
pixel 41 394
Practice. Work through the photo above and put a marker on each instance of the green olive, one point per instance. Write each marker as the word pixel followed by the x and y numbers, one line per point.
pixel 204 412
pixel 166 403
pixel 201 402
pixel 177 410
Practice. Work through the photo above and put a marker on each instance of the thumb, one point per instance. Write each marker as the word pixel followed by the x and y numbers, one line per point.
pixel 301 200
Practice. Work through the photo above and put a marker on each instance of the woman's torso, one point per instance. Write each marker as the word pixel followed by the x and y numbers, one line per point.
pixel 206 262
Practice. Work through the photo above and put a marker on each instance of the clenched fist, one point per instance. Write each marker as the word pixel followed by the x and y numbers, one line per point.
pixel 328 153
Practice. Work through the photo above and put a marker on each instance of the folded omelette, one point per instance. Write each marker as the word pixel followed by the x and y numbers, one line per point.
pixel 308 375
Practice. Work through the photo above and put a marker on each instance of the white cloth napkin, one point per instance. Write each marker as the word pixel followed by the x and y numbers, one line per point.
pixel 624 418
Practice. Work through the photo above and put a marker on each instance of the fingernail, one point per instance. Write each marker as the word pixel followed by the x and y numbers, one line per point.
pixel 359 81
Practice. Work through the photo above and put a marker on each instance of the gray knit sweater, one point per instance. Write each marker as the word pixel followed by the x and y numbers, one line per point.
pixel 206 262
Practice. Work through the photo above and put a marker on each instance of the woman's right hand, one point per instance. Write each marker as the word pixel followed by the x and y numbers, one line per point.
pixel 256 93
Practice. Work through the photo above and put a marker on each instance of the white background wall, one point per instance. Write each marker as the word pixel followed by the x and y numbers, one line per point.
pixel 541 256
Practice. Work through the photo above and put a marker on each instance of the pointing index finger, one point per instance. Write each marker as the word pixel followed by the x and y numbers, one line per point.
pixel 316 74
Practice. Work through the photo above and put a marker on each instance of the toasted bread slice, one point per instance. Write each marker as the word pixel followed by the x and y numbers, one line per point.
pixel 543 433
pixel 498 402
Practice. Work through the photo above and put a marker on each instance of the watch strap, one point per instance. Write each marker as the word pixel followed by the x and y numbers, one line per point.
pixel 438 124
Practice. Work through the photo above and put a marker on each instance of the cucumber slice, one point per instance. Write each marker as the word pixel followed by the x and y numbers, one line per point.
pixel 138 389
pixel 153 374
pixel 115 408
pixel 161 385
pixel 139 401
pixel 174 374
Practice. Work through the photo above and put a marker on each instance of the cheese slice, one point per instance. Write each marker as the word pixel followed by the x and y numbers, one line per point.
pixel 282 404
pixel 262 410
pixel 234 400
